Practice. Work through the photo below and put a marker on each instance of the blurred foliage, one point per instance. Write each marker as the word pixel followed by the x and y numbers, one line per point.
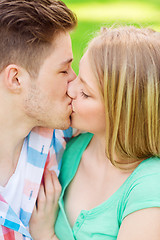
pixel 155 2
pixel 94 14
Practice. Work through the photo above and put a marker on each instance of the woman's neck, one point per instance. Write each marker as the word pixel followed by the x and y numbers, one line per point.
pixel 96 149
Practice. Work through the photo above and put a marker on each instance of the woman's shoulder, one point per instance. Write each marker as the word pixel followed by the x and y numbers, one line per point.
pixel 147 174
pixel 147 167
pixel 142 189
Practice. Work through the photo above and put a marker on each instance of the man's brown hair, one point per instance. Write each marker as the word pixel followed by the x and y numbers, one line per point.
pixel 27 29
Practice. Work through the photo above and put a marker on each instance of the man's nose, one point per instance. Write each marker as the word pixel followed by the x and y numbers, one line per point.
pixel 72 76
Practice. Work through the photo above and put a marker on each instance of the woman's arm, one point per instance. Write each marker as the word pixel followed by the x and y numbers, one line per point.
pixel 44 215
pixel 141 225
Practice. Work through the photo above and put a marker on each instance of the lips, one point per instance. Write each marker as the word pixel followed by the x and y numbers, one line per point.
pixel 73 110
pixel 70 102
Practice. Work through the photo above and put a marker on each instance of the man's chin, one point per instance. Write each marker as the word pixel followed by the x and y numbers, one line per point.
pixel 64 124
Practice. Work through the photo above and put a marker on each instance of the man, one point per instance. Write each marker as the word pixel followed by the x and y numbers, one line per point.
pixel 35 69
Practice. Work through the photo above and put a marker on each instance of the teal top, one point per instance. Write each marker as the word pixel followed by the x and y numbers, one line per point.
pixel 140 190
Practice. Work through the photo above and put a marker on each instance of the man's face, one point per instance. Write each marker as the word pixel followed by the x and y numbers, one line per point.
pixel 46 101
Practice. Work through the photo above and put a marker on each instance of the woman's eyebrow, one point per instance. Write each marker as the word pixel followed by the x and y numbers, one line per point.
pixel 86 84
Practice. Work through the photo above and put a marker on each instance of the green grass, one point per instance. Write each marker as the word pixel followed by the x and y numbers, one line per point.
pixel 94 14
pixel 155 2
pixel 80 38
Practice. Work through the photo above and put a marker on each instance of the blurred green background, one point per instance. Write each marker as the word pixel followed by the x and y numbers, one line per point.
pixel 92 14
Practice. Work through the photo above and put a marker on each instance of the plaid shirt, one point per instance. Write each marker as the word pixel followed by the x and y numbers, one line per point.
pixel 44 150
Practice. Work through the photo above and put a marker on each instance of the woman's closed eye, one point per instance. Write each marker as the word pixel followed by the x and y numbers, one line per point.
pixel 84 94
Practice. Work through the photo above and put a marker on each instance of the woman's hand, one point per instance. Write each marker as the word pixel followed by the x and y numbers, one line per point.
pixel 44 214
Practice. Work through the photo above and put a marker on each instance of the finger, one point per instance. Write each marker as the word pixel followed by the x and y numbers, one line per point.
pixel 35 207
pixel 57 186
pixel 34 213
pixel 49 186
pixel 41 199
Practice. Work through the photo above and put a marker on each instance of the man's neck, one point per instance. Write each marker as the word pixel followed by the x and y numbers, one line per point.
pixel 11 142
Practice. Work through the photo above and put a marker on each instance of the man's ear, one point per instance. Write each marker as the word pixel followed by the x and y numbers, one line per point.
pixel 11 78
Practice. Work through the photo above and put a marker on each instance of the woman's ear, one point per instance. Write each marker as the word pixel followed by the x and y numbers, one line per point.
pixel 11 78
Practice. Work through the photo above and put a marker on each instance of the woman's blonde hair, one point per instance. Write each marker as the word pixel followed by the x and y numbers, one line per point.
pixel 126 63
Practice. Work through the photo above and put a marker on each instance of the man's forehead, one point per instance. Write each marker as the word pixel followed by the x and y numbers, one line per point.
pixel 62 49
pixel 62 41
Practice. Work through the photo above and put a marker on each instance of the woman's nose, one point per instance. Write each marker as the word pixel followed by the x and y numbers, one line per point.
pixel 72 89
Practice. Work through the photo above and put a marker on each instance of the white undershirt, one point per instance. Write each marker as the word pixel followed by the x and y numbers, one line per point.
pixel 13 190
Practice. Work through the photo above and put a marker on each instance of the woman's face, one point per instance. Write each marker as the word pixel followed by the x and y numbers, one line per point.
pixel 87 103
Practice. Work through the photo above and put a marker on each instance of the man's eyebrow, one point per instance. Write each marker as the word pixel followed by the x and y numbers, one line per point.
pixel 66 62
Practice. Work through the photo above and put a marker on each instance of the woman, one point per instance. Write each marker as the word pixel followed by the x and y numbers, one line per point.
pixel 110 176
